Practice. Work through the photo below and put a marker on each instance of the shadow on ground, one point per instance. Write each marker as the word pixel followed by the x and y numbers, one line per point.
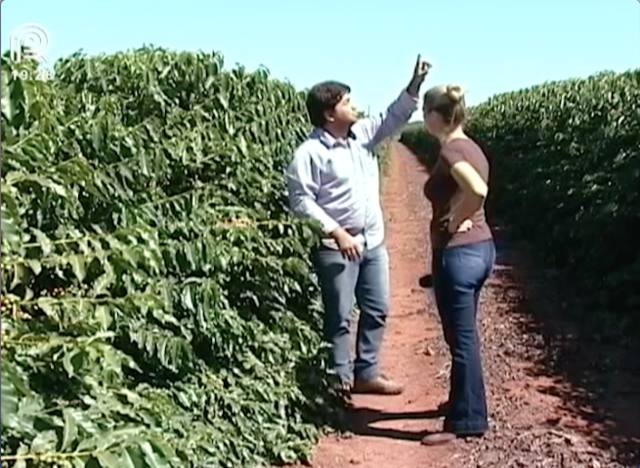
pixel 599 366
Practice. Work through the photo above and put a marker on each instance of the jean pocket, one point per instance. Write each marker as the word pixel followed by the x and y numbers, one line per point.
pixel 465 264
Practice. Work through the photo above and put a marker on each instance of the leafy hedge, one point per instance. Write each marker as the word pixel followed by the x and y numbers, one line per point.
pixel 158 305
pixel 566 176
pixel 422 144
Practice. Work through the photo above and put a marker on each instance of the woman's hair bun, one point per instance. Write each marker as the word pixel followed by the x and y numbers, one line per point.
pixel 455 93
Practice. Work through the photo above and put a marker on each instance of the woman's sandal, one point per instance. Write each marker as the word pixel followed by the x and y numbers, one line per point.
pixel 444 437
pixel 439 438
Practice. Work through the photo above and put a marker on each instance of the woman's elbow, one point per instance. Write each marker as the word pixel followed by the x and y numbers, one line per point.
pixel 477 191
pixel 481 192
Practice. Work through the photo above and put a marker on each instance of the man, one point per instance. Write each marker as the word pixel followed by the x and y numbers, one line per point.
pixel 333 178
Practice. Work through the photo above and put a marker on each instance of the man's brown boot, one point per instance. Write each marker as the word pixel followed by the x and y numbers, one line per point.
pixel 378 386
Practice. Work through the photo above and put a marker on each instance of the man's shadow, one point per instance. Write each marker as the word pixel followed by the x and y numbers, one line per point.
pixel 362 418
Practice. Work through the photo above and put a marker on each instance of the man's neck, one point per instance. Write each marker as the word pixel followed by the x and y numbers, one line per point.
pixel 337 131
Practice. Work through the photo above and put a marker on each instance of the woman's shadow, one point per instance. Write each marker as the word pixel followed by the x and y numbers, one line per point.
pixel 361 421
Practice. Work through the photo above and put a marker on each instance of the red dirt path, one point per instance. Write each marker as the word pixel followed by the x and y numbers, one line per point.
pixel 534 421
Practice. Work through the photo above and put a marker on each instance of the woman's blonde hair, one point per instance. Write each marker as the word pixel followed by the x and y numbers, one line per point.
pixel 448 101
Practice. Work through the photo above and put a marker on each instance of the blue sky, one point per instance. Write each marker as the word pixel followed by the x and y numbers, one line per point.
pixel 487 46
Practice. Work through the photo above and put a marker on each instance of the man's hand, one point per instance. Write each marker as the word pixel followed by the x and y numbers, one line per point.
pixel 349 247
pixel 420 72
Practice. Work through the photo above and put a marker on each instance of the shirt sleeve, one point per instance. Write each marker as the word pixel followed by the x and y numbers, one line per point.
pixel 451 156
pixel 377 128
pixel 303 182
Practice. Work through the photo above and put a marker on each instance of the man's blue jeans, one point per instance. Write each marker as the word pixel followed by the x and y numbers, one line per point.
pixel 368 280
pixel 458 276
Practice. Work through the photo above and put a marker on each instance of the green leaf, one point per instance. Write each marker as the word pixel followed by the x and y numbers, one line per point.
pixel 67 362
pixel 16 104
pixel 102 284
pixel 165 318
pixel 97 136
pixel 20 275
pixel 103 316
pixel 45 244
pixel 45 441
pixel 187 299
pixel 48 306
pixel 78 463
pixel 224 102
pixel 35 266
pixel 152 457
pixel 161 350
pixel 109 460
pixel 10 229
pixel 22 451
pixel 242 144
pixel 70 431
pixel 77 263
pixel 132 457
pixel 9 398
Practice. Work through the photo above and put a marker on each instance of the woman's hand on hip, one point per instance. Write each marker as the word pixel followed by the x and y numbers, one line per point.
pixel 454 227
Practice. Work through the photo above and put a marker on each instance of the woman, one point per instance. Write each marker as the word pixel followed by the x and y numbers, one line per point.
pixel 463 257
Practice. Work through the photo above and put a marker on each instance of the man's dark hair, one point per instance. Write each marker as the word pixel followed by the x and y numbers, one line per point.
pixel 323 97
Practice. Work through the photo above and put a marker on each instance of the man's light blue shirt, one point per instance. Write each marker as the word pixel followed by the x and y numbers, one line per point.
pixel 337 181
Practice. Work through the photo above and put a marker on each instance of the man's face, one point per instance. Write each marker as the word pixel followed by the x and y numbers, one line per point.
pixel 344 113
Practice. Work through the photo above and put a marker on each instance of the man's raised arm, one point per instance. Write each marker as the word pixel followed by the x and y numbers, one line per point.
pixel 376 129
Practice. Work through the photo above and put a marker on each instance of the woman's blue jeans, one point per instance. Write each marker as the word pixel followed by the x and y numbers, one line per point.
pixel 459 274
